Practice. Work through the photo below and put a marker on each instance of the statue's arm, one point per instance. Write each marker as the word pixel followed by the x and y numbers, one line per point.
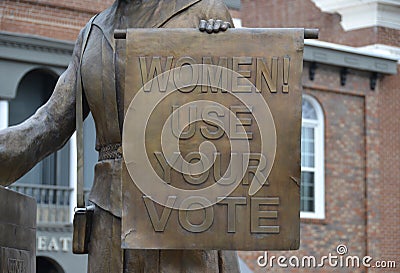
pixel 24 145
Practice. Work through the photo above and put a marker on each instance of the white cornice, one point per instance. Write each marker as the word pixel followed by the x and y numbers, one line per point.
pixel 364 59
pixel 358 14
pixel 384 50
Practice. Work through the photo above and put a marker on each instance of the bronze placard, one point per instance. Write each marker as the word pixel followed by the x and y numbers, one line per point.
pixel 15 261
pixel 211 139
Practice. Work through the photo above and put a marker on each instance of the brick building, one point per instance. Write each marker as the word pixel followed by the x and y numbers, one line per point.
pixel 361 135
pixel 350 134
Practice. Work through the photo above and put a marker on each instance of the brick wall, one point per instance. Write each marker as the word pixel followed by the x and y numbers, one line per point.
pixel 389 36
pixel 54 19
pixel 345 171
pixel 362 142
pixel 294 13
pixel 389 112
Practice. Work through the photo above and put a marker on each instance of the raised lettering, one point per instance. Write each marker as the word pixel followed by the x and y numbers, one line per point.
pixel 159 223
pixel 186 76
pixel 238 85
pixel 270 75
pixel 256 166
pixel 65 241
pixel 41 243
pixel 213 121
pixel 164 166
pixel 257 214
pixel 202 204
pixel 177 120
pixel 15 266
pixel 226 178
pixel 155 70
pixel 233 123
pixel 53 245
pixel 232 202
pixel 286 69
pixel 195 179
pixel 214 77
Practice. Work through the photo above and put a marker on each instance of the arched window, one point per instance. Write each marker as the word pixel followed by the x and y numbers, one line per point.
pixel 33 90
pixel 312 201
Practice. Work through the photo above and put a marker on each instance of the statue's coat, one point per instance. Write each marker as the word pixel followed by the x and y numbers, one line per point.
pixel 22 146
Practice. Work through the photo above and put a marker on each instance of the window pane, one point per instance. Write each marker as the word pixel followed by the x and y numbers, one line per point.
pixel 307 147
pixel 307 192
pixel 308 110
pixel 312 160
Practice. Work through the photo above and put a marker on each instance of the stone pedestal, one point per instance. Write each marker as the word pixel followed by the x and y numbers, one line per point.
pixel 17 232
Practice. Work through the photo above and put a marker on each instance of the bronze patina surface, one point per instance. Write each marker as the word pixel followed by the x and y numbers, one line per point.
pixel 22 146
pixel 17 232
pixel 263 92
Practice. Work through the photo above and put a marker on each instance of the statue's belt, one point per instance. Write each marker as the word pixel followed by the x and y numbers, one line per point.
pixel 110 151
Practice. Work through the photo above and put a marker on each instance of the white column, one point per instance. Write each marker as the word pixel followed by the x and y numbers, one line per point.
pixel 72 174
pixel 3 114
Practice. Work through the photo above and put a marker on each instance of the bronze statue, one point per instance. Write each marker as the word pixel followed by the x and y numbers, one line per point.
pixel 24 145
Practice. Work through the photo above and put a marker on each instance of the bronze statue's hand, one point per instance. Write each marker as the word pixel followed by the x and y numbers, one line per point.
pixel 212 25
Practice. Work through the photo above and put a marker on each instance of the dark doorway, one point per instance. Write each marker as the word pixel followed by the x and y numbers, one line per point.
pixel 47 265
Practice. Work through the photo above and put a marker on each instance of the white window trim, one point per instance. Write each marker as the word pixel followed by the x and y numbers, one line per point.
pixel 237 22
pixel 3 114
pixel 73 162
pixel 319 175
